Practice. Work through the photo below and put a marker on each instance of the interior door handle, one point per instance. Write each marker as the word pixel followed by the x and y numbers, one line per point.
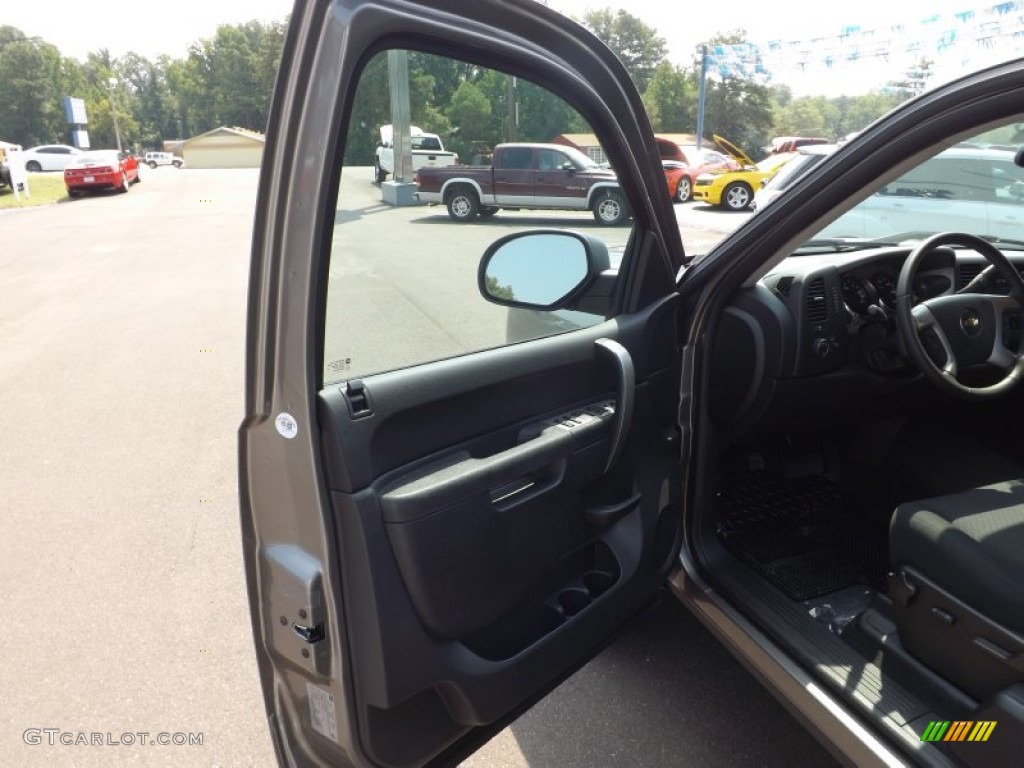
pixel 626 385
pixel 606 514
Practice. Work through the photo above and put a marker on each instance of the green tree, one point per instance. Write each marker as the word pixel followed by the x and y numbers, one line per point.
pixel 638 45
pixel 371 109
pixel 101 99
pixel 429 76
pixel 671 99
pixel 268 59
pixel 31 74
pixel 228 79
pixel 864 109
pixel 782 94
pixel 542 115
pixel 832 118
pixel 145 94
pixel 499 291
pixel 495 87
pixel 737 107
pixel 185 95
pixel 808 116
pixel 471 111
pixel 443 74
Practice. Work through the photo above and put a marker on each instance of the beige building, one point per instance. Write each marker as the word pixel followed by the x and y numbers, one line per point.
pixel 586 143
pixel 224 148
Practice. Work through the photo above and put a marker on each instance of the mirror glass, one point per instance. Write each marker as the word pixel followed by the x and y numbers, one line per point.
pixel 537 268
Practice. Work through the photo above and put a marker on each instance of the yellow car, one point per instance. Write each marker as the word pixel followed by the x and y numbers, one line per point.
pixel 735 189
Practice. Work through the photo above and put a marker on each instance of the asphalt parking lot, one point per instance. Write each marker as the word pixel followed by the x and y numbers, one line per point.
pixel 422 266
pixel 121 362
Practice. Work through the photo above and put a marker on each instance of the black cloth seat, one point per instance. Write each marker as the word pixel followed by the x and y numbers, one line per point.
pixel 971 544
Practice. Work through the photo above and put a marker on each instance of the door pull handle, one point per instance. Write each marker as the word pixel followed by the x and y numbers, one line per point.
pixel 626 386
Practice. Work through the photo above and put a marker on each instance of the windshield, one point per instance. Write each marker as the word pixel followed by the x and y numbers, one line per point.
pixel 793 170
pixel 426 142
pixel 691 155
pixel 973 187
pixel 772 162
pixel 97 158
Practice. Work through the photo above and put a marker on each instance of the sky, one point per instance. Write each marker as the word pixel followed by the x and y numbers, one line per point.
pixel 833 50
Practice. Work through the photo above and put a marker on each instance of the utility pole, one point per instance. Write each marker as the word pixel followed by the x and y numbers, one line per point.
pixel 513 109
pixel 113 111
pixel 702 95
pixel 399 191
pixel 401 117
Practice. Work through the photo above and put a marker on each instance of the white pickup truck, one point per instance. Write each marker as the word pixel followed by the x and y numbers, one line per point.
pixel 427 150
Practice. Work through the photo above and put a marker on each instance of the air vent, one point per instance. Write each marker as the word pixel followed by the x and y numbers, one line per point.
pixel 817 308
pixel 784 284
pixel 968 272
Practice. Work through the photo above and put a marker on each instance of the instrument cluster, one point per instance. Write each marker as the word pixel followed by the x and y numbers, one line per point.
pixel 862 288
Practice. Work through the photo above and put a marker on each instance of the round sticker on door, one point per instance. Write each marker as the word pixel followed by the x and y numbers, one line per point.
pixel 286 425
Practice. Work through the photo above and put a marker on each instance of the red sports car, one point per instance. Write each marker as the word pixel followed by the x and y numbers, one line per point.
pixel 683 163
pixel 101 169
pixel 675 172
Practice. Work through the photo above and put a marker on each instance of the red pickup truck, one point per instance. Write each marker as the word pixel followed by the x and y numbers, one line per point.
pixel 532 176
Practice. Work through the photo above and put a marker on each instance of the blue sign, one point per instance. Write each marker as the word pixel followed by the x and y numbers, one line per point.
pixel 74 111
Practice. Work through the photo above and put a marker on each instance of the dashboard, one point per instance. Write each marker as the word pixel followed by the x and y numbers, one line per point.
pixel 817 338
pixel 875 285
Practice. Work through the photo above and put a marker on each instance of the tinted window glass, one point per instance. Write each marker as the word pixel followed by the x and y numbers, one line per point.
pixel 973 187
pixel 549 160
pixel 402 286
pixel 515 158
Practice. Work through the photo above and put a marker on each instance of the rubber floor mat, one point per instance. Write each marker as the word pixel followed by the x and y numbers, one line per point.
pixel 803 535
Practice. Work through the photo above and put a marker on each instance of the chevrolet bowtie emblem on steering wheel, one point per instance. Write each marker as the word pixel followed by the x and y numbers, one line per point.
pixel 970 321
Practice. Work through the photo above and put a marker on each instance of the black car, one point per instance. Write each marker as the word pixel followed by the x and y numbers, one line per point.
pixel 813 442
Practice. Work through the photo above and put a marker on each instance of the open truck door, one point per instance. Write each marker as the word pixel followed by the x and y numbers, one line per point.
pixel 439 525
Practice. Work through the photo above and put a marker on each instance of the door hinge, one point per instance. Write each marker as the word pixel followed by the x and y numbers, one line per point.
pixel 295 613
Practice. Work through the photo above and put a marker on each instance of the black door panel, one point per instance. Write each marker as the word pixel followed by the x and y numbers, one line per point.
pixel 498 387
pixel 478 542
pixel 477 567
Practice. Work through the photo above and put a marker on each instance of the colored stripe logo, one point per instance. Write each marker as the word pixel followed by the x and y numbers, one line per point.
pixel 958 730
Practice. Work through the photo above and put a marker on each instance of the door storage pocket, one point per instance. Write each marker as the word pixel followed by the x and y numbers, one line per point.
pixel 578 582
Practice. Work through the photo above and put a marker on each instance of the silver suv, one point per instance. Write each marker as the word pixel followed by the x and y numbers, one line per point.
pixel 153 159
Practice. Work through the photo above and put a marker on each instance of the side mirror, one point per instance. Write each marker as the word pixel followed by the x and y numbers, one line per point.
pixel 568 166
pixel 541 269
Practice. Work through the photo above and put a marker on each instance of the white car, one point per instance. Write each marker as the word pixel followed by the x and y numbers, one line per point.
pixel 969 189
pixel 807 157
pixel 49 157
pixel 153 159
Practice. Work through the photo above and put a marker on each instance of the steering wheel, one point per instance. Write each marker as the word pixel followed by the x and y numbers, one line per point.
pixel 946 334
